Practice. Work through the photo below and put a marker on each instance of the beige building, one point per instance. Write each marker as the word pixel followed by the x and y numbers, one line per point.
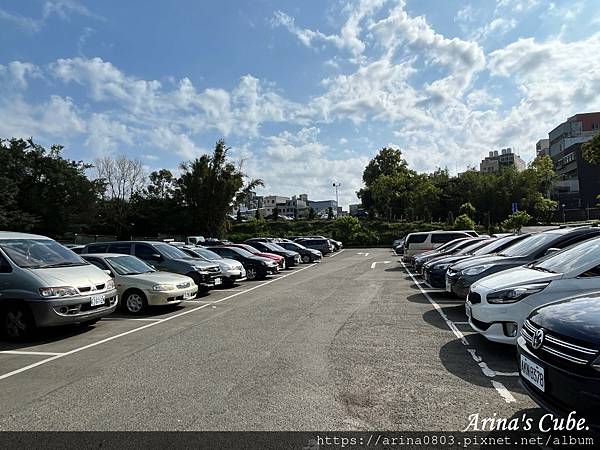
pixel 502 158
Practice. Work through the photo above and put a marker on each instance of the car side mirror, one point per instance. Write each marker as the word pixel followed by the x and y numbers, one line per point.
pixel 552 250
pixel 109 273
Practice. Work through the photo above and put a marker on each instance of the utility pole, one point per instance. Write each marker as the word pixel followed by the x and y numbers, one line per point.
pixel 337 203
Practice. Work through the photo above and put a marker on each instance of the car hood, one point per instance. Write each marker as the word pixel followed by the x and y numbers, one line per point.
pixel 517 276
pixel 155 278
pixel 268 256
pixel 197 262
pixel 447 260
pixel 77 276
pixel 577 318
pixel 262 259
pixel 228 263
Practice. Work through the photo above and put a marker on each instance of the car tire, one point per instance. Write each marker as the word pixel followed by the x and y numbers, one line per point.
pixel 17 322
pixel 134 302
pixel 306 259
pixel 251 273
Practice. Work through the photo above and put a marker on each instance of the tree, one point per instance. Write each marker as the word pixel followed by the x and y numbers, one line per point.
pixel 275 215
pixel 238 216
pixel 44 192
pixel 591 150
pixel 467 209
pixel 464 222
pixel 123 178
pixel 516 221
pixel 311 214
pixel 330 213
pixel 257 214
pixel 211 186
pixel 346 228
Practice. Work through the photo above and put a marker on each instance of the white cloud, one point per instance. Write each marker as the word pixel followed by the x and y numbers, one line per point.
pixel 63 9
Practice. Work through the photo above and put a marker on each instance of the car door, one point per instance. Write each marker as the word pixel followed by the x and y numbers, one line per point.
pixel 150 255
pixel 5 275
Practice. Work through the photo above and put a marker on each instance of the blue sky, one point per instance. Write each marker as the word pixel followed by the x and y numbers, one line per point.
pixel 306 92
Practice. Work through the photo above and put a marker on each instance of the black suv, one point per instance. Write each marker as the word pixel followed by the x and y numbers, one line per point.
pixel 559 357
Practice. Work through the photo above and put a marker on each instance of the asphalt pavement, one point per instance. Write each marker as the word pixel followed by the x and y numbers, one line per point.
pixel 345 344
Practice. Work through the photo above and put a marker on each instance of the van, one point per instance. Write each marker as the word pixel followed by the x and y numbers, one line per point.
pixel 416 243
pixel 44 284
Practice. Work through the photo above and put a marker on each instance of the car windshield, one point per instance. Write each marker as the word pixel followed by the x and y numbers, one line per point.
pixel 470 249
pixel 530 244
pixel 248 248
pixel 242 252
pixel 128 265
pixel 207 254
pixel 40 253
pixel 494 245
pixel 450 245
pixel 171 252
pixel 274 247
pixel 578 258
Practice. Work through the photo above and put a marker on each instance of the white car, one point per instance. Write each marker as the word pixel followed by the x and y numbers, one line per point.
pixel 498 305
pixel 140 285
pixel 233 271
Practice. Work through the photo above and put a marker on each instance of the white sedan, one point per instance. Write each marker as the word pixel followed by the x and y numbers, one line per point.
pixel 140 285
pixel 498 305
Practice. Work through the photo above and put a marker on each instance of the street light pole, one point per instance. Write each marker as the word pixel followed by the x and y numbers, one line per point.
pixel 337 202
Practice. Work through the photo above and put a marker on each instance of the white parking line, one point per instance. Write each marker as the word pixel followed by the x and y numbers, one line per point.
pixel 19 352
pixel 335 254
pixel 135 330
pixel 500 388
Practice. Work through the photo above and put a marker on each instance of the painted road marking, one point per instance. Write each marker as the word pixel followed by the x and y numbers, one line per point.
pixel 135 330
pixel 362 253
pixel 335 254
pixel 25 353
pixel 379 262
pixel 500 388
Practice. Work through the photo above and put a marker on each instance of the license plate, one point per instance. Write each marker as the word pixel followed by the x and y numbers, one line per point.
pixel 533 373
pixel 97 300
pixel 468 310
pixel 217 281
pixel 188 295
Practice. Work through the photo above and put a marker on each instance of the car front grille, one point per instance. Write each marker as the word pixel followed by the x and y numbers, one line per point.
pixel 97 287
pixel 214 269
pixel 557 349
pixel 474 297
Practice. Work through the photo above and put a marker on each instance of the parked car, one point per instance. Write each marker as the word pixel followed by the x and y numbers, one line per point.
pixel 256 267
pixel 233 271
pixel 291 258
pixel 308 255
pixel 559 362
pixel 195 240
pixel 462 275
pixel 398 246
pixel 416 243
pixel 44 284
pixel 77 249
pixel 280 260
pixel 438 278
pixel 498 304
pixel 435 269
pixel 163 256
pixel 321 244
pixel 139 285
pixel 449 248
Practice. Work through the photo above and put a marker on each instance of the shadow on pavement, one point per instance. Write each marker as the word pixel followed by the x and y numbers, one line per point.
pixel 455 313
pixel 46 336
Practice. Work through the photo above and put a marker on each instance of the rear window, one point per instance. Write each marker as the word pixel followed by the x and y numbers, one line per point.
pixel 120 248
pixel 416 239
pixel 97 248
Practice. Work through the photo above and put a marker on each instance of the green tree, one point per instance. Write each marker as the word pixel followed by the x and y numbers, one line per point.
pixel 516 221
pixel 257 214
pixel 464 222
pixel 211 186
pixel 591 150
pixel 330 213
pixel 467 209
pixel 238 216
pixel 311 214
pixel 44 192
pixel 275 215
pixel 346 228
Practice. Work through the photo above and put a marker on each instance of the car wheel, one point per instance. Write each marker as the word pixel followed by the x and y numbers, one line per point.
pixel 306 259
pixel 251 273
pixel 17 322
pixel 135 302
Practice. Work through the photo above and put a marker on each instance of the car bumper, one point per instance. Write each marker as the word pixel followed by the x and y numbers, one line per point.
pixel 436 278
pixel 489 320
pixel 157 298
pixel 565 391
pixel 458 286
pixel 49 313
pixel 234 275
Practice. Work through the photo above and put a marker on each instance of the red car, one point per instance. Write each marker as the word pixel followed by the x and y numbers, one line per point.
pixel 280 259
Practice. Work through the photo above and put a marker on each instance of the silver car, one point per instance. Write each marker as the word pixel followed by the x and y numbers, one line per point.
pixel 232 270
pixel 43 284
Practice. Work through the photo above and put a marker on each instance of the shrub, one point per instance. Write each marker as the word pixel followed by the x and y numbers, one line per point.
pixel 464 222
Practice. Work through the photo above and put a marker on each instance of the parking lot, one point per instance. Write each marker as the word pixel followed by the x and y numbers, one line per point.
pixel 353 342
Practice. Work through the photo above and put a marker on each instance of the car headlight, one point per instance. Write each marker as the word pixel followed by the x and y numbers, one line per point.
pixel 163 287
pixel 110 284
pixel 58 292
pixel 515 294
pixel 442 266
pixel 200 269
pixel 477 269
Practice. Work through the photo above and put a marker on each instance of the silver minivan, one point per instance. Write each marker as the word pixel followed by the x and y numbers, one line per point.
pixel 44 284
